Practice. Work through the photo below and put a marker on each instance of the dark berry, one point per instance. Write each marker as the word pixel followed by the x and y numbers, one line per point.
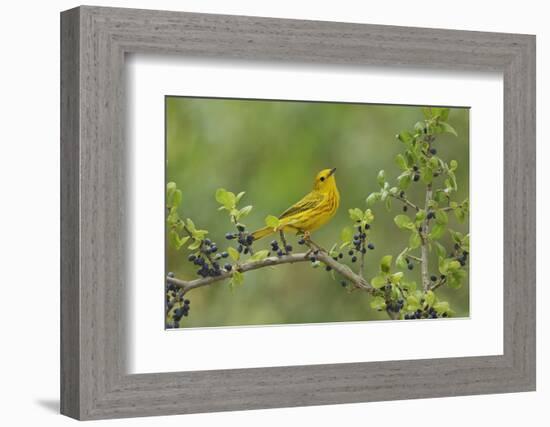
pixel 240 228
pixel 436 174
pixel 207 241
pixel 288 248
pixel 228 267
pixel 405 208
pixel 363 251
pixel 457 246
pixel 433 278
pixel 343 283
pixel 350 253
pixel 340 255
pixel 433 151
pixel 444 315
pixel 328 268
pixel 356 236
pixel 250 239
pixel 353 258
pixel 442 277
pixel 402 194
pixel 213 249
pixel 312 259
pixel 170 274
pixel 224 254
pixel 274 243
pixel 462 262
pixel 416 177
pixel 420 229
pixel 245 251
pixel 430 215
pixel 280 252
pixel 370 246
pixel 388 288
pixel 301 241
pixel 240 248
pixel 410 266
pixel 415 168
pixel 229 236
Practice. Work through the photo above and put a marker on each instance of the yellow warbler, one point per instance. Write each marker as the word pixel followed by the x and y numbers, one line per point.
pixel 314 210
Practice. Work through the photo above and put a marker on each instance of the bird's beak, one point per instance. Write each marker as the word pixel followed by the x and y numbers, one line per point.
pixel 332 171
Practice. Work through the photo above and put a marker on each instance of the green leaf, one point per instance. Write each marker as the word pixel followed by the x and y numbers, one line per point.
pixel 453 165
pixel 174 239
pixel 356 214
pixel 437 231
pixel 396 277
pixel 405 136
pixel 446 127
pixel 233 253
pixel 243 212
pixel 429 298
pixel 414 240
pixel 385 263
pixel 190 225
pixel 435 112
pixel 368 217
pixel 346 235
pixel 401 162
pixel 409 286
pixel 413 303
pixel 426 175
pixel 404 180
pixel 237 279
pixel 226 198
pixel 239 197
pixel 420 216
pixel 373 198
pixel 194 245
pixel 272 221
pixel 441 217
pixel 170 187
pixel 381 178
pixel 442 307
pixel 403 222
pixel 401 261
pixel 378 303
pixel 260 255
pixel 440 250
pixel 379 281
pixel 176 198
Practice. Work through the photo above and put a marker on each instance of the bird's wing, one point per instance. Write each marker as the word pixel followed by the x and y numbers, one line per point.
pixel 309 201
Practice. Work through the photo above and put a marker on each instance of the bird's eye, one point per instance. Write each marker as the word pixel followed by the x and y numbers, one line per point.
pixel 322 178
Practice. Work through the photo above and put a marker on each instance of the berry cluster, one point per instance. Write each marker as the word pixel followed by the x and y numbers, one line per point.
pixel 287 248
pixel 460 255
pixel 359 242
pixel 207 259
pixel 395 306
pixel 176 303
pixel 243 238
pixel 427 313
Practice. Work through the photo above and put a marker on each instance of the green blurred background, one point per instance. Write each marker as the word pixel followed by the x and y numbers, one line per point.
pixel 272 150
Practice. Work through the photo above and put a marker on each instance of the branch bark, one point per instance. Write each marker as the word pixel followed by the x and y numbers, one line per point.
pixel 424 241
pixel 358 281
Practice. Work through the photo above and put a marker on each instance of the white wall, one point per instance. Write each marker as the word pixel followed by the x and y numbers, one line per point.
pixel 29 177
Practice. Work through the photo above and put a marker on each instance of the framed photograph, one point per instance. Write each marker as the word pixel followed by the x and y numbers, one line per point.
pixel 262 213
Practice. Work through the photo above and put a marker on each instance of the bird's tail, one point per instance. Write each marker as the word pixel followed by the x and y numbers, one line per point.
pixel 262 232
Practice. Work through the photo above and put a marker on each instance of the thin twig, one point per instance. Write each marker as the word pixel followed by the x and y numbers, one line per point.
pixel 406 201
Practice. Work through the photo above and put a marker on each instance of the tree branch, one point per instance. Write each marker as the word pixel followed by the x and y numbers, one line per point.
pixel 424 241
pixel 321 255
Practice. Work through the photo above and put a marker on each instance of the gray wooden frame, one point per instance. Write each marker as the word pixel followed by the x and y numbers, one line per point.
pixel 94 41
